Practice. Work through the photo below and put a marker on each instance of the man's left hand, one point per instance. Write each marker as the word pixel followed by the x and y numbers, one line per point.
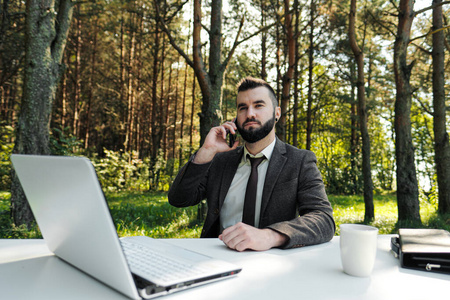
pixel 241 237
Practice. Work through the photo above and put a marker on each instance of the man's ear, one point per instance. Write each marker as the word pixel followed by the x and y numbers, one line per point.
pixel 277 113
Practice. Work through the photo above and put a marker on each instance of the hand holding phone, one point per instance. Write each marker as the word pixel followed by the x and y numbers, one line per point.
pixel 217 140
pixel 231 137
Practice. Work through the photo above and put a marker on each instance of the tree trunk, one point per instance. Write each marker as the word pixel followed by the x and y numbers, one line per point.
pixel 278 30
pixel 129 129
pixel 47 27
pixel 183 109
pixel 287 77
pixel 191 123
pixel 407 189
pixel 64 97
pixel 140 116
pixel 77 76
pixel 263 42
pixel 91 85
pixel 175 118
pixel 156 132
pixel 310 77
pixel 165 112
pixel 210 82
pixel 296 78
pixel 369 214
pixel 353 132
pixel 123 90
pixel 441 138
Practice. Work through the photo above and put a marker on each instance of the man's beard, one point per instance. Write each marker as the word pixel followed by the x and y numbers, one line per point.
pixel 254 135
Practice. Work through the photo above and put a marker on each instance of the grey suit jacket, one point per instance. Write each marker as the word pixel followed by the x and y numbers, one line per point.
pixel 294 201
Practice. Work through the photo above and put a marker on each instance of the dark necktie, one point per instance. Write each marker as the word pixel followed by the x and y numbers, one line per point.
pixel 248 216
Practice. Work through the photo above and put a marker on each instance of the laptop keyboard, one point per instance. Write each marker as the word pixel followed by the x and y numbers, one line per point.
pixel 154 265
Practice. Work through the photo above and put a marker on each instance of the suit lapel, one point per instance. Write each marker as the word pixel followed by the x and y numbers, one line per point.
pixel 276 165
pixel 232 163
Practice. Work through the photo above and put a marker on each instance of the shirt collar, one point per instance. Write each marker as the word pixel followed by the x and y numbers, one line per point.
pixel 267 152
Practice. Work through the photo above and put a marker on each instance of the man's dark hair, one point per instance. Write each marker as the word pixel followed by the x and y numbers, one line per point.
pixel 249 83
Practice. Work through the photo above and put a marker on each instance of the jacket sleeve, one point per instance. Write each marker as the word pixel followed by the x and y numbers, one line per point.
pixel 189 187
pixel 314 223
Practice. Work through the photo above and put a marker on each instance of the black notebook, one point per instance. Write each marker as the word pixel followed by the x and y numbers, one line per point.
pixel 423 249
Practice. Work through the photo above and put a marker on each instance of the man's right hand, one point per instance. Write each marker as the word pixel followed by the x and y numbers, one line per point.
pixel 215 142
pixel 241 237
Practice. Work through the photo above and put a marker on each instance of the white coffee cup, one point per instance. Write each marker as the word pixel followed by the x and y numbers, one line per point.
pixel 358 245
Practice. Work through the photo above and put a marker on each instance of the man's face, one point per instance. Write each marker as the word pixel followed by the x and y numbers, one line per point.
pixel 255 114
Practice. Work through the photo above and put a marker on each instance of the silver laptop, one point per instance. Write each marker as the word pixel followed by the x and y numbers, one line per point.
pixel 73 216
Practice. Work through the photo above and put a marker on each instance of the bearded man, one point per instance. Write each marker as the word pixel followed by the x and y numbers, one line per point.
pixel 262 195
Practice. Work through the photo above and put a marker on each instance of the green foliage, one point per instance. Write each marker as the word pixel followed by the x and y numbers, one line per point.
pixel 431 196
pixel 63 142
pixel 332 148
pixel 382 152
pixel 162 172
pixel 119 170
pixel 423 140
pixel 342 180
pixel 6 147
pixel 439 221
pixel 8 230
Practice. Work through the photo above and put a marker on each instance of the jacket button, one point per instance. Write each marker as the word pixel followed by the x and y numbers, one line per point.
pixel 216 211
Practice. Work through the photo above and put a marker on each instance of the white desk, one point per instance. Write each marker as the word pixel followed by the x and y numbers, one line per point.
pixel 29 271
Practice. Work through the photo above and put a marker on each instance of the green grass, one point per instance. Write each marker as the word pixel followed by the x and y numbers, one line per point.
pixel 139 213
pixel 350 209
pixel 134 213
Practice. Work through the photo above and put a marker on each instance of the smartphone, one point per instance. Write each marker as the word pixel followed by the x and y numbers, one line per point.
pixel 231 137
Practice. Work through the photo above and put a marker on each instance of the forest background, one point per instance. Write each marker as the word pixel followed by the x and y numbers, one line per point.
pixel 135 86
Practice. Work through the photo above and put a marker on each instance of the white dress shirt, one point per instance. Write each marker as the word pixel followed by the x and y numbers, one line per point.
pixel 232 209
